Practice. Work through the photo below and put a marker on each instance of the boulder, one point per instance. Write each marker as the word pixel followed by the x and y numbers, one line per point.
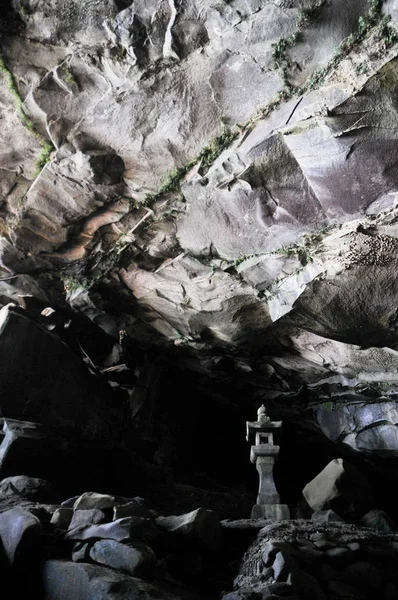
pixel 201 525
pixel 20 534
pixel 340 487
pixel 120 530
pixel 90 500
pixel 269 553
pixel 69 502
pixel 135 559
pixel 283 565
pixel 379 520
pixel 81 551
pixel 85 518
pixel 62 517
pixel 381 437
pixel 30 488
pixel 326 516
pixel 135 508
pixel 64 580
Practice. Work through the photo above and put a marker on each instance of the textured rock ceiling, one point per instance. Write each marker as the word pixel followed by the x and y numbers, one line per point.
pixel 217 179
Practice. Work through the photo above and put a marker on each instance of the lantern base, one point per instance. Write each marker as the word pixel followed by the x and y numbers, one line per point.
pixel 275 512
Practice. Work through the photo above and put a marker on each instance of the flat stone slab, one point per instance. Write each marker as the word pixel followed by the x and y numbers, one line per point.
pixel 136 559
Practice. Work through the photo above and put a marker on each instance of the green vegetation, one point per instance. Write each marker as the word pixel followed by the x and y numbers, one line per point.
pixel 329 406
pixel 362 68
pixel 206 157
pixel 68 76
pixel 44 156
pixel 214 148
pixel 72 284
pixel 304 251
pixel 47 146
pixel 371 22
pixel 281 47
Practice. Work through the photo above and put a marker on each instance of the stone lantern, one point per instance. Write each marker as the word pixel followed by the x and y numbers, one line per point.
pixel 264 454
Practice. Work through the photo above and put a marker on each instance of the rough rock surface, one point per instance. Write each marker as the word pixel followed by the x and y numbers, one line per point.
pixel 341 488
pixel 59 393
pixel 316 562
pixel 202 525
pixel 20 533
pixel 65 580
pixel 217 170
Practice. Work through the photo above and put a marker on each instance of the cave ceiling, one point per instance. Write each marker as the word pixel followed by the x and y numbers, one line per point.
pixel 215 181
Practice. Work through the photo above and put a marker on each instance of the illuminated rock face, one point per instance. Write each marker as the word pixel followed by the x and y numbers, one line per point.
pixel 219 181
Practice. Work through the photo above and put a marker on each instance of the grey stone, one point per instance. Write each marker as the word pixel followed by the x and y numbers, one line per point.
pixel 304 543
pixel 136 559
pixel 379 520
pixel 20 534
pixel 269 553
pixel 31 488
pixel 81 551
pixel 354 546
pixel 339 553
pixel 264 453
pixel 326 516
pixel 378 437
pixel 340 487
pixel 93 500
pixel 306 586
pixel 200 524
pixel 85 518
pixel 117 530
pixel 69 503
pixel 62 517
pixel 282 566
pixel 64 580
pixel 353 418
pixel 134 508
pixel 120 530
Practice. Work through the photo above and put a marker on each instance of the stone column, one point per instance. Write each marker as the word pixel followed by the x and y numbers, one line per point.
pixel 267 491
pixel 264 454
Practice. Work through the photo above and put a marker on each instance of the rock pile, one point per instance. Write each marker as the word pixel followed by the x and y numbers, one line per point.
pixel 298 560
pixel 103 547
